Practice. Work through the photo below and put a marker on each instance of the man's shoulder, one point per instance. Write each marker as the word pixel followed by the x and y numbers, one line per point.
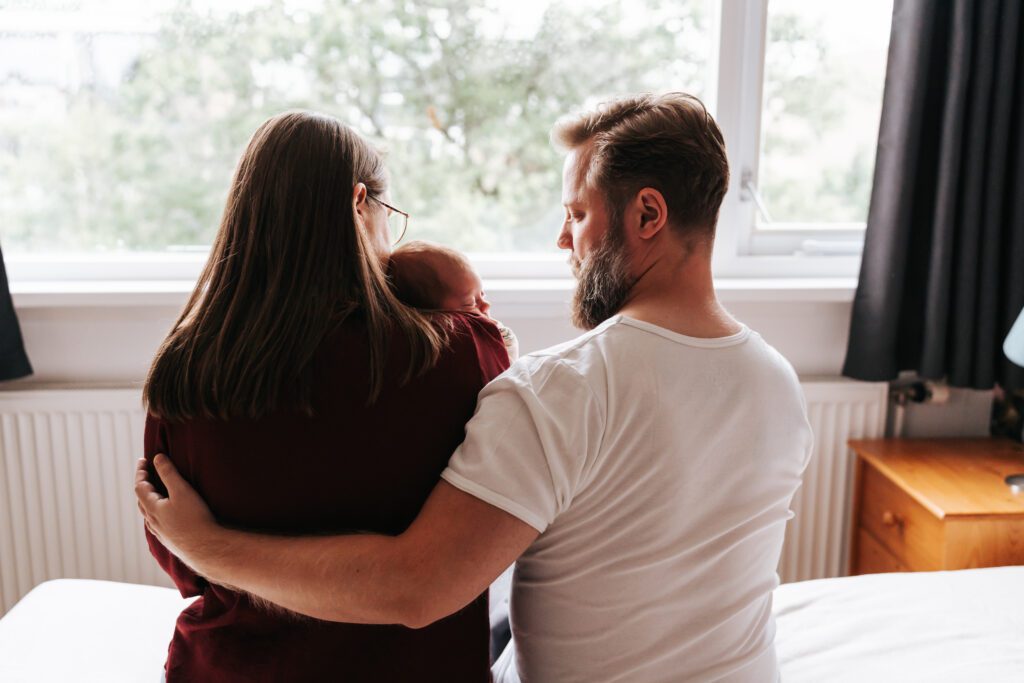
pixel 771 360
pixel 573 370
pixel 587 345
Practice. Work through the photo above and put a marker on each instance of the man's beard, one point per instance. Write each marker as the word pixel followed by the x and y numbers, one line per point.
pixel 604 281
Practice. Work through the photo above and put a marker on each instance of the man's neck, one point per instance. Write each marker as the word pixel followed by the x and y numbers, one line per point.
pixel 677 292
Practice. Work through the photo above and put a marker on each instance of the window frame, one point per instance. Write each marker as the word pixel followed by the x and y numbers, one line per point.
pixel 742 249
pixel 736 74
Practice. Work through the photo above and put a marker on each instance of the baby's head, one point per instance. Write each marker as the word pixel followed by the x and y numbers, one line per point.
pixel 432 276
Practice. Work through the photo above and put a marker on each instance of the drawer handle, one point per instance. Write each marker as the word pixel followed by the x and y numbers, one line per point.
pixel 889 519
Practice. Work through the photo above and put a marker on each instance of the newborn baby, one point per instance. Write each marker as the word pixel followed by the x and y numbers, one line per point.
pixel 434 277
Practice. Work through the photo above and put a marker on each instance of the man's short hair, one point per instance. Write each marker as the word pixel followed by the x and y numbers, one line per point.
pixel 668 142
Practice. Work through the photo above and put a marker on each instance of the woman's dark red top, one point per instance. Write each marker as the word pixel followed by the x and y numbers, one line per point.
pixel 352 466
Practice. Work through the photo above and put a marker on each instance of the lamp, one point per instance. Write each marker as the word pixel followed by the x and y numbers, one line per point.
pixel 1013 347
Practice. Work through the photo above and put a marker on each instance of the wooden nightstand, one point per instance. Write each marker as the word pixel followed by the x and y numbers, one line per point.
pixel 928 504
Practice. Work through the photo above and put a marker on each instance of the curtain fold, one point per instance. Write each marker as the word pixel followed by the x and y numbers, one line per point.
pixel 13 360
pixel 942 278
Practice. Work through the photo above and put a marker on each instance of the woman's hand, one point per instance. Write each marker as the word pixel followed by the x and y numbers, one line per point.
pixel 182 522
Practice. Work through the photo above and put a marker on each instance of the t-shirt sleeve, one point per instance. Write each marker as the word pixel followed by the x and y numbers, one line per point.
pixel 535 434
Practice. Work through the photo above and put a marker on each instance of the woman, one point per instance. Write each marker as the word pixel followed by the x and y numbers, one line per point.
pixel 299 396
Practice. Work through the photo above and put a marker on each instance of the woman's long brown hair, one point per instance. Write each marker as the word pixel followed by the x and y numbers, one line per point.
pixel 289 264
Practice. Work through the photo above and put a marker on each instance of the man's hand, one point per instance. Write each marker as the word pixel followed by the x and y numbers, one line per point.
pixel 181 521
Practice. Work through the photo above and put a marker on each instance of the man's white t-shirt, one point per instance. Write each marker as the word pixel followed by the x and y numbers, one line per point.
pixel 659 469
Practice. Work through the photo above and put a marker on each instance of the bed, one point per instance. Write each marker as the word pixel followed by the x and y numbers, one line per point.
pixel 939 626
pixel 960 626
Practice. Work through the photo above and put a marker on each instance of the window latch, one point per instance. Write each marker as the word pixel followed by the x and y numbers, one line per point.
pixel 749 192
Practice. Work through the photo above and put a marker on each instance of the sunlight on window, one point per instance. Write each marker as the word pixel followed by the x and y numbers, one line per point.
pixel 121 122
pixel 824 73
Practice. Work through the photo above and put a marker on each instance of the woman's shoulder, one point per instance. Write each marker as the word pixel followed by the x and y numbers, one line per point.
pixel 475 339
pixel 463 331
pixel 472 325
pixel 473 350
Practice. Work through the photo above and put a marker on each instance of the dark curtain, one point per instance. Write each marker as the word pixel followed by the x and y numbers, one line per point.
pixel 13 361
pixel 942 278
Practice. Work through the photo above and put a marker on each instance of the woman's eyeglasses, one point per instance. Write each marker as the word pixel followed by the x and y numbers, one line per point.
pixel 398 221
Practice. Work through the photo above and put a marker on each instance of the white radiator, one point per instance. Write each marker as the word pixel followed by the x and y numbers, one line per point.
pixel 67 509
pixel 817 537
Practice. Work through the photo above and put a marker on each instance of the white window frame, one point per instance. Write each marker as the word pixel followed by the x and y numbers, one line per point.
pixel 741 251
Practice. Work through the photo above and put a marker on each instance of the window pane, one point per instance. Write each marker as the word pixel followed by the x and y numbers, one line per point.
pixel 823 78
pixel 121 121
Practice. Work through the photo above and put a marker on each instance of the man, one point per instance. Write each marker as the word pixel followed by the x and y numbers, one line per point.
pixel 640 475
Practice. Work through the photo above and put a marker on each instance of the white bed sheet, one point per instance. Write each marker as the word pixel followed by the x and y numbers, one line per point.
pixel 941 627
pixel 90 631
pixel 945 627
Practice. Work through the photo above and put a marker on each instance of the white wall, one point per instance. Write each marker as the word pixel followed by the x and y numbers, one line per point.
pixel 81 341
pixel 103 339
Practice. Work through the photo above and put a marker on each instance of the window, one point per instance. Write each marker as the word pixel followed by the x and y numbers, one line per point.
pixel 805 171
pixel 121 121
pixel 823 75
pixel 125 119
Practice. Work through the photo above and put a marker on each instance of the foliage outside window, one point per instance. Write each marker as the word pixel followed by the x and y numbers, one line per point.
pixel 823 76
pixel 121 122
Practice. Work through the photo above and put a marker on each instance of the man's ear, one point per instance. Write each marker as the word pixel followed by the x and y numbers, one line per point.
pixel 653 212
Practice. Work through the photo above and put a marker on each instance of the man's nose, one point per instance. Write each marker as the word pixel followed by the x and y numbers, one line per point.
pixel 564 240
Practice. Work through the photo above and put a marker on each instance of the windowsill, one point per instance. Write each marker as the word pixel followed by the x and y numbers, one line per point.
pixel 520 294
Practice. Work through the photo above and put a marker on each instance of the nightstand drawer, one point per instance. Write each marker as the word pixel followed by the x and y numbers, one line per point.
pixel 928 504
pixel 907 530
pixel 873 558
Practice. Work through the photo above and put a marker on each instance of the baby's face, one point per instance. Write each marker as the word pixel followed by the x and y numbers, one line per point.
pixel 466 293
